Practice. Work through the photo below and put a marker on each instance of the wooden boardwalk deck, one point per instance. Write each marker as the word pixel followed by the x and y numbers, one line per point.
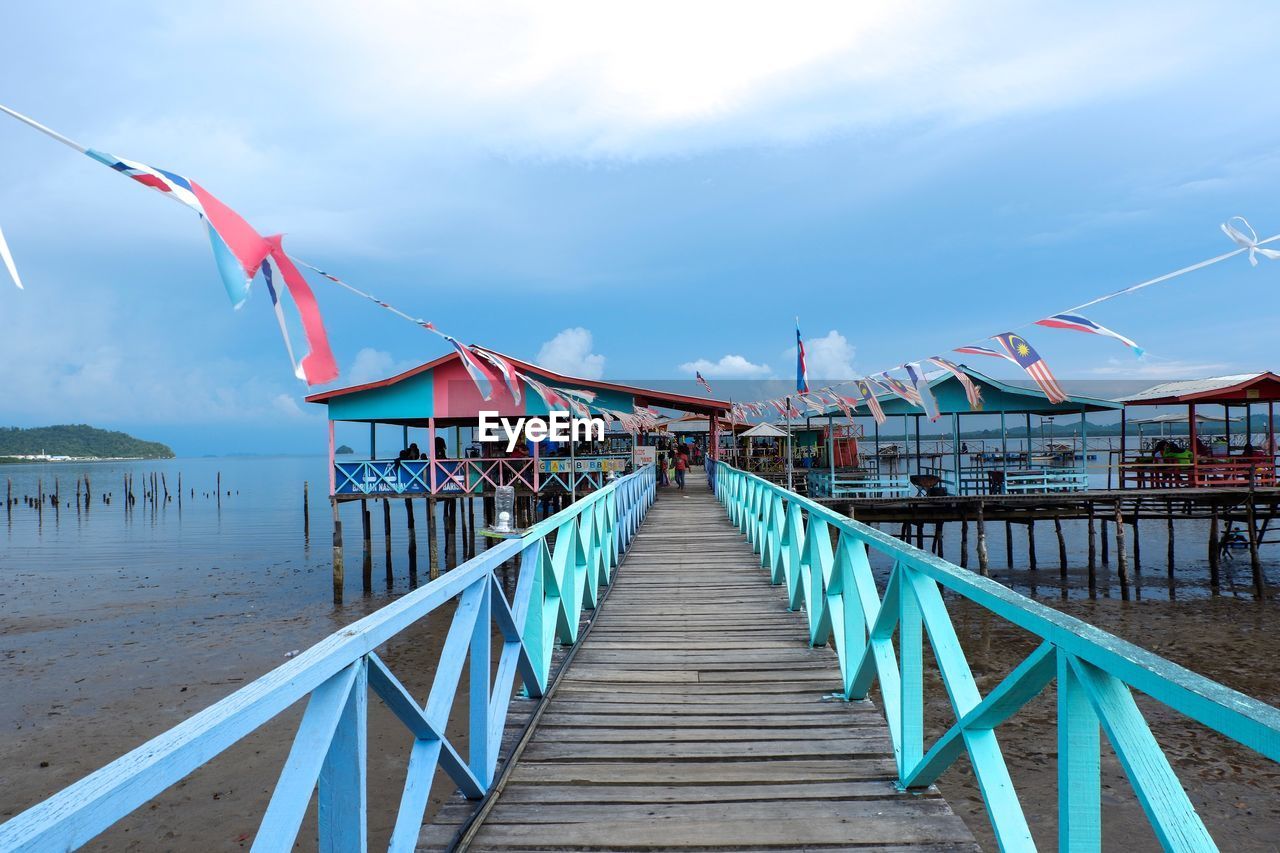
pixel 695 716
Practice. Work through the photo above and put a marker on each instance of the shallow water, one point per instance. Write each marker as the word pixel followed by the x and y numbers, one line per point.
pixel 116 626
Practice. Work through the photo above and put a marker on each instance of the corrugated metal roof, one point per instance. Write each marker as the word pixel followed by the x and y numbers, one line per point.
pixel 1190 386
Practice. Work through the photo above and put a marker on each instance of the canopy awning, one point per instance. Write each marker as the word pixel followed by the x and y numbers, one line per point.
pixel 765 430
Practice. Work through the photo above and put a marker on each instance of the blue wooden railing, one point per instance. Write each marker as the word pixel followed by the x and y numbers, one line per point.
pixel 555 583
pixel 822 559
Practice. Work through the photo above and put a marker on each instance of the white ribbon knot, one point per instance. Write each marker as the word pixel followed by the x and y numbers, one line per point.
pixel 1247 241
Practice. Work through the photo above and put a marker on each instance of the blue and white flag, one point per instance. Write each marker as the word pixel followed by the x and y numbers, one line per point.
pixel 916 374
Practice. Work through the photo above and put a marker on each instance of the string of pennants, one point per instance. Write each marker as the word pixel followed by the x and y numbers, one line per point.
pixel 1013 347
pixel 240 253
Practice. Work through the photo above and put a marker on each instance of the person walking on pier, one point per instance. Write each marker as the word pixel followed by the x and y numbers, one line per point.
pixel 681 465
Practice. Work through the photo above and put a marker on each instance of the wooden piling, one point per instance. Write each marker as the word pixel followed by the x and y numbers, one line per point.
pixel 1031 544
pixel 1215 552
pixel 471 521
pixel 1106 544
pixel 413 536
pixel 984 567
pixel 339 571
pixel 306 509
pixel 937 538
pixel 1137 541
pixel 179 488
pixel 1008 544
pixel 1093 562
pixel 433 540
pixel 386 534
pixel 1168 514
pixel 8 496
pixel 1062 546
pixel 1122 560
pixel 219 487
pixel 964 541
pixel 1255 565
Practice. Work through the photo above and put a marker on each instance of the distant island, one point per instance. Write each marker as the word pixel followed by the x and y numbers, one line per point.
pixel 75 441
pixel 343 450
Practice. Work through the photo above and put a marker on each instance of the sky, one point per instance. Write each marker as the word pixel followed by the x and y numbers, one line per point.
pixel 630 193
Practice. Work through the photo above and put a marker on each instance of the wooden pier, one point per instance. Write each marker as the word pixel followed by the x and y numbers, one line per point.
pixel 695 715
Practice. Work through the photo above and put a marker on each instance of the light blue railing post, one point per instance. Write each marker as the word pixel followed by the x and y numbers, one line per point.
pixel 1096 672
pixel 342 801
pixel 1079 767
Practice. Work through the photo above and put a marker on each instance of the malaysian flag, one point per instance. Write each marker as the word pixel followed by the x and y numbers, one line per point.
pixel 1029 360
pixel 846 405
pixel 867 394
pixel 898 387
pixel 983 351
pixel 802 368
pixel 971 390
pixel 698 376
pixel 1078 323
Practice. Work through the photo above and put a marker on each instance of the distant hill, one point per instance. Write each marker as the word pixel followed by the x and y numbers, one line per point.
pixel 80 440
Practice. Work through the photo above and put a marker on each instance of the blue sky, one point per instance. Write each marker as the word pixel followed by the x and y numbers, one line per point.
pixel 630 194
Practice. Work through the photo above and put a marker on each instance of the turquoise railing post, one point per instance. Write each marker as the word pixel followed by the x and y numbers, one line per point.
pixel 1096 672
pixel 328 757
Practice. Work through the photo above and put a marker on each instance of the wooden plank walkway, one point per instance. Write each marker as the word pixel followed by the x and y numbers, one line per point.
pixel 696 716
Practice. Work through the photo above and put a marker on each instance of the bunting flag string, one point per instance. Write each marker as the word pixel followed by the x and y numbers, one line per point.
pixel 240 252
pixel 8 262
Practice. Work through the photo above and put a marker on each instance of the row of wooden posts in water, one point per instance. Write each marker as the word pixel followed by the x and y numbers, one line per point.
pixel 1247 512
pixel 154 490
pixel 455 531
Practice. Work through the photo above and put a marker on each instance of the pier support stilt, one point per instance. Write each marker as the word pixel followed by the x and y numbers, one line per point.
pixel 1031 545
pixel 386 537
pixel 984 567
pixel 1168 515
pixel 1137 541
pixel 1093 550
pixel 1215 553
pixel 306 507
pixel 413 536
pixel 433 540
pixel 1255 564
pixel 964 541
pixel 1106 544
pixel 1122 560
pixel 1008 544
pixel 1062 547
pixel 339 571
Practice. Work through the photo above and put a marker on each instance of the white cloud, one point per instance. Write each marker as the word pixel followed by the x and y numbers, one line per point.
pixel 1149 367
pixel 371 364
pixel 827 357
pixel 570 353
pixel 728 367
pixel 589 79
